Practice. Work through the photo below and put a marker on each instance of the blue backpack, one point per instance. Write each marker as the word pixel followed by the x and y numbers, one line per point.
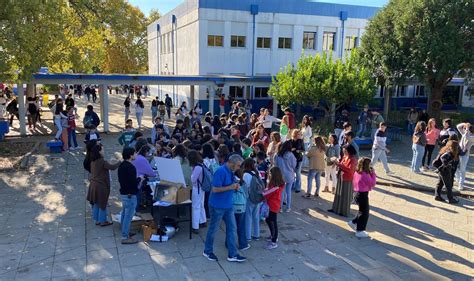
pixel 206 183
pixel 239 201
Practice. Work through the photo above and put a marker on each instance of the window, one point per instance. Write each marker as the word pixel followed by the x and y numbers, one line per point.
pixel 420 91
pixel 350 43
pixel 284 43
pixel 261 92
pixel 215 40
pixel 236 91
pixel 237 41
pixel 309 40
pixel 401 91
pixel 264 42
pixel 328 41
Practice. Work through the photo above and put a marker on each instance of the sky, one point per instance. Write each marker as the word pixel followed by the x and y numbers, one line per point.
pixel 165 6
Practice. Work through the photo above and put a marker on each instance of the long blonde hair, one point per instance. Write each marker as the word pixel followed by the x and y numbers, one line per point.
pixel 431 124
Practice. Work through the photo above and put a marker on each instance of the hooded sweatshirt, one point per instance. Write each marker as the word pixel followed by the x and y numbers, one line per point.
pixel 287 165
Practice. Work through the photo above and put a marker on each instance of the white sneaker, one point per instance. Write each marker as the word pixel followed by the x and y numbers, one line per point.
pixel 352 225
pixel 461 188
pixel 288 210
pixel 361 234
pixel 390 173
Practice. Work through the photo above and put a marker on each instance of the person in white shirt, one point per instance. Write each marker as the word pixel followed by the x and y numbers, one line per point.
pixel 267 120
pixel 465 144
pixel 379 148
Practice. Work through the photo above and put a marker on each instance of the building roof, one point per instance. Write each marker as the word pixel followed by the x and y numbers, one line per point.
pixel 145 79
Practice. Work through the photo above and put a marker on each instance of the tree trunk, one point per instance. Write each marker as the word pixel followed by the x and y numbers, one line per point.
pixel 332 113
pixel 386 101
pixel 435 102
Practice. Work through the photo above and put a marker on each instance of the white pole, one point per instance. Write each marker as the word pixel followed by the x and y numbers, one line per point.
pixel 212 92
pixel 21 108
pixel 104 106
pixel 275 108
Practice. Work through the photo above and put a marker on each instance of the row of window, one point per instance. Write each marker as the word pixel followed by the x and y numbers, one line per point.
pixel 239 93
pixel 419 91
pixel 309 41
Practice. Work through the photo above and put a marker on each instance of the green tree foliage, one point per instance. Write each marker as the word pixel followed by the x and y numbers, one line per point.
pixel 324 83
pixel 73 35
pixel 431 40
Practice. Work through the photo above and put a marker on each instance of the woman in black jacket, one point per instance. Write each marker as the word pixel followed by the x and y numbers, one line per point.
pixel 448 160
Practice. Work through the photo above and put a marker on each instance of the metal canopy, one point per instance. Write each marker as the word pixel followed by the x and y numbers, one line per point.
pixel 140 79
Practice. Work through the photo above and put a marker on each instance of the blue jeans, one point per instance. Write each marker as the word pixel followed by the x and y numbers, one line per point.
pixel 71 138
pixel 252 220
pixel 288 187
pixel 128 210
pixel 154 113
pixel 314 174
pixel 380 154
pixel 241 233
pixel 362 129
pixel 297 183
pixel 411 128
pixel 98 214
pixel 418 151
pixel 230 227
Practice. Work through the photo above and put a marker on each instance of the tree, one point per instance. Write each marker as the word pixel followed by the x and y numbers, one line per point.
pixel 324 83
pixel 73 35
pixel 435 38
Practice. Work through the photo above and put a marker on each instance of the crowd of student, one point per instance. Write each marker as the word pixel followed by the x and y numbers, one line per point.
pixel 240 170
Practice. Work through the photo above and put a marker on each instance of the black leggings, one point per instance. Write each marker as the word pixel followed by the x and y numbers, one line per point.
pixel 428 152
pixel 272 225
pixel 362 199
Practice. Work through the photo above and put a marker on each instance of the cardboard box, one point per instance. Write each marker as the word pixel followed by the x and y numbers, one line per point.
pixel 184 194
pixel 147 218
pixel 149 229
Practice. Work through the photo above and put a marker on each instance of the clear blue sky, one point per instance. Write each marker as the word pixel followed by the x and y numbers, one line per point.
pixel 165 6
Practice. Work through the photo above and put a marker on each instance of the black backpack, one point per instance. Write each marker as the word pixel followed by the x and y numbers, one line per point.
pixel 32 108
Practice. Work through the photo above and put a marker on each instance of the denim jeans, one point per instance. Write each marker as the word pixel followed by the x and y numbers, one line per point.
pixel 380 154
pixel 230 228
pixel 71 137
pixel 241 233
pixel 411 128
pixel 99 215
pixel 461 171
pixel 372 134
pixel 154 113
pixel 128 210
pixel 314 174
pixel 139 119
pixel 297 183
pixel 252 220
pixel 287 192
pixel 127 113
pixel 362 129
pixel 418 151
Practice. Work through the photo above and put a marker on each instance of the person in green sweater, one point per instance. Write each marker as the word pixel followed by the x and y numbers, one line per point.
pixel 127 136
pixel 284 128
pixel 246 148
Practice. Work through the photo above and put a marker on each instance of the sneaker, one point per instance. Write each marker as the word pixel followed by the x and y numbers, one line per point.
pixel 78 147
pixel 390 173
pixel 271 246
pixel 195 231
pixel 288 210
pixel 307 195
pixel 453 201
pixel 245 248
pixel 255 238
pixel 210 256
pixel 129 241
pixel 203 225
pixel 461 188
pixel 352 225
pixel 269 239
pixel 297 191
pixel 237 258
pixel 361 234
pixel 316 195
pixel 439 198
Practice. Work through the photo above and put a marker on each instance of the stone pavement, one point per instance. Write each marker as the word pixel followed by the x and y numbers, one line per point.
pixel 47 234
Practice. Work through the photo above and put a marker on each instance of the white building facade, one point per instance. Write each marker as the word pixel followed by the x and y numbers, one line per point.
pixel 247 38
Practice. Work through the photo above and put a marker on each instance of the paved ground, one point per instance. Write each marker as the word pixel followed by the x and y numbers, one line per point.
pixel 47 233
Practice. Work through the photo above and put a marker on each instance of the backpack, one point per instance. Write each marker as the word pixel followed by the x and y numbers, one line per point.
pixel 437 163
pixel 256 189
pixel 238 201
pixel 206 183
pixel 87 121
pixel 32 108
